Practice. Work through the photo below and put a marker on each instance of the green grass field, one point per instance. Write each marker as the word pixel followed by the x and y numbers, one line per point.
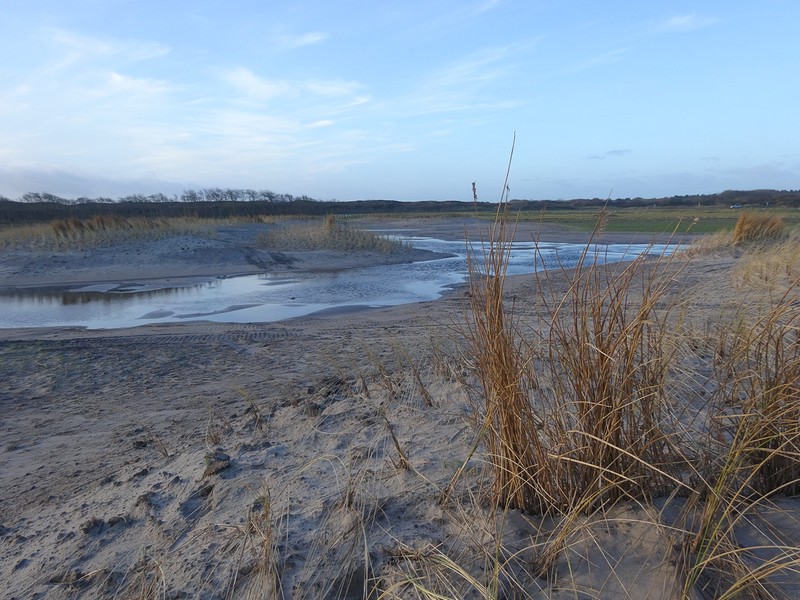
pixel 682 219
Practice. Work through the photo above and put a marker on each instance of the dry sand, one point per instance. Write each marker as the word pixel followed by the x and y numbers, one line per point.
pixel 206 460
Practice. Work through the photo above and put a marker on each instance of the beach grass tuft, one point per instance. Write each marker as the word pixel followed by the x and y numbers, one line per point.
pixel 326 234
pixel 757 228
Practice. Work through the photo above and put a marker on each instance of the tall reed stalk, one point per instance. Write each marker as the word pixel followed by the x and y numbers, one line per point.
pixel 501 365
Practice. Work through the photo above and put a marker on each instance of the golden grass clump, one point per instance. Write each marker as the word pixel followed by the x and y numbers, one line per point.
pixel 756 228
pixel 580 414
pixel 604 388
pixel 69 233
pixel 576 422
pixel 328 234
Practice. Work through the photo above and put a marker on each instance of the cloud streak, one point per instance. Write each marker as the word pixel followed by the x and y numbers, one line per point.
pixel 687 22
pixel 251 85
pixel 299 41
pixel 610 154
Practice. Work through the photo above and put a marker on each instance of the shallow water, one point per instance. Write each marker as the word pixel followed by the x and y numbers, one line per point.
pixel 275 297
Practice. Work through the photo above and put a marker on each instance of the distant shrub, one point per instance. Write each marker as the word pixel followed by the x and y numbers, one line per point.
pixel 326 235
pixel 758 228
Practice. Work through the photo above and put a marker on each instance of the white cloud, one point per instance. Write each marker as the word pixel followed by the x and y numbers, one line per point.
pixel 305 39
pixel 73 48
pixel 480 67
pixel 598 60
pixel 332 87
pixel 320 123
pixel 117 83
pixel 253 86
pixel 15 99
pixel 461 86
pixel 80 45
pixel 688 22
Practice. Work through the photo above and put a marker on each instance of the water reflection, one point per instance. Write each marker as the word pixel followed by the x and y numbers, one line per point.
pixel 67 297
pixel 274 297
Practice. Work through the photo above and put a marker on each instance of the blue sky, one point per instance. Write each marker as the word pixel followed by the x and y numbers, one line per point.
pixel 404 100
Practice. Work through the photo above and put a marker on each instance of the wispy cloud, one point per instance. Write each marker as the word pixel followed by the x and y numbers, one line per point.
pixel 74 48
pixel 485 65
pixel 687 22
pixel 482 7
pixel 252 85
pixel 117 83
pixel 331 87
pixel 600 59
pixel 610 154
pixel 462 85
pixel 290 41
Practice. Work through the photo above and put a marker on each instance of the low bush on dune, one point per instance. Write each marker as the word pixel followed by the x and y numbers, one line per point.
pixel 327 234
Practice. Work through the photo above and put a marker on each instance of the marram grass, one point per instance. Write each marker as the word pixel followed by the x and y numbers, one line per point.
pixel 326 234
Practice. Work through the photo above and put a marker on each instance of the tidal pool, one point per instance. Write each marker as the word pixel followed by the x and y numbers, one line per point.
pixel 276 297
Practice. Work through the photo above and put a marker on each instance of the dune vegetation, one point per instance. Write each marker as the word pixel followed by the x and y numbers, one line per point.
pixel 326 234
pixel 99 230
pixel 615 397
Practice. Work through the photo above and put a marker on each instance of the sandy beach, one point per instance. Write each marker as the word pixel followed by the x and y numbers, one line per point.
pixel 299 459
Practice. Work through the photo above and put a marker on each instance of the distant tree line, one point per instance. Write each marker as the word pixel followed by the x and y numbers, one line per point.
pixel 202 195
pixel 226 202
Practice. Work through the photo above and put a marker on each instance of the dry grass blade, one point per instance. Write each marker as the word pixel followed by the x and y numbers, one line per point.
pixel 402 462
pixel 258 560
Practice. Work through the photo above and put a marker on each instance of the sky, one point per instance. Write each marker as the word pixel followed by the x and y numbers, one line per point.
pixel 401 100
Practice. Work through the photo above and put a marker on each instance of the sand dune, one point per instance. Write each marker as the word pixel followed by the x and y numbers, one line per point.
pixel 301 459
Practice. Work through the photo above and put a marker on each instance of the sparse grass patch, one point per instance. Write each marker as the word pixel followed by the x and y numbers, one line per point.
pixel 327 234
pixel 757 228
pixel 712 243
pixel 753 455
pixel 64 234
pixel 769 268
pixel 256 545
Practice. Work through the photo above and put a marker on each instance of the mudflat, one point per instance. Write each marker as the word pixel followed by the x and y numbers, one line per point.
pixel 299 459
